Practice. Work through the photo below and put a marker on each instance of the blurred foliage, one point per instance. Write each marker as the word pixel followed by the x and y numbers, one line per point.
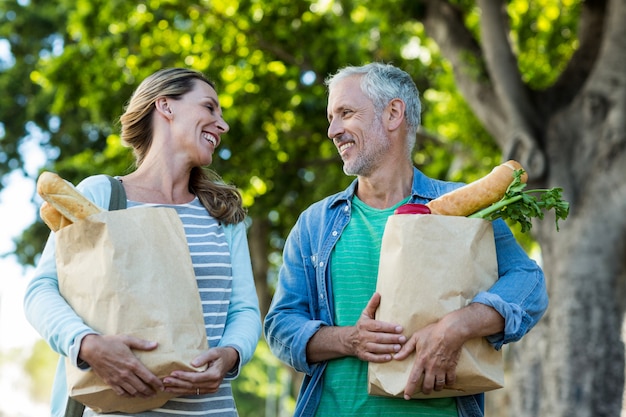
pixel 39 364
pixel 86 57
pixel 264 377
pixel 544 36
pixel 40 367
pixel 75 63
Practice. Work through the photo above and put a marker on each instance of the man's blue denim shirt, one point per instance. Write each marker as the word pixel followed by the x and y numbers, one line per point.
pixel 303 301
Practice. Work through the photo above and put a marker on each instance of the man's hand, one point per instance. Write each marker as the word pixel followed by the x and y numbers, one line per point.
pixel 374 340
pixel 438 346
pixel 369 340
pixel 436 358
pixel 112 359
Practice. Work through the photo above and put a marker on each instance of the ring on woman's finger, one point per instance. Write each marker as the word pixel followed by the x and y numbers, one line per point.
pixel 440 381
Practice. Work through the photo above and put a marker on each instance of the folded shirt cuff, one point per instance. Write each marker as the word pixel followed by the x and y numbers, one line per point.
pixel 75 350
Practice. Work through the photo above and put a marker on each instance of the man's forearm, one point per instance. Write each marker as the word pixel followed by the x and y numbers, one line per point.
pixel 330 342
pixel 475 320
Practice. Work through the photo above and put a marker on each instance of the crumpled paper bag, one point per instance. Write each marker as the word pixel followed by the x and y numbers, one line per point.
pixel 429 266
pixel 130 272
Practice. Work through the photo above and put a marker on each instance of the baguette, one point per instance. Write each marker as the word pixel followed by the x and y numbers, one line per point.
pixel 64 197
pixel 478 194
pixel 52 218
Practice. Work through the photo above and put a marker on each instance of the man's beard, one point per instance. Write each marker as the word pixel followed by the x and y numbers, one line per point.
pixel 367 162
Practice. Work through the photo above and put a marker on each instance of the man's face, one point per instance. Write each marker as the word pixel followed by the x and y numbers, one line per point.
pixel 355 128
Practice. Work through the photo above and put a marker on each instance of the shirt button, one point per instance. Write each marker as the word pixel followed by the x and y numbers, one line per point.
pixel 321 296
pixel 345 208
pixel 335 233
pixel 321 264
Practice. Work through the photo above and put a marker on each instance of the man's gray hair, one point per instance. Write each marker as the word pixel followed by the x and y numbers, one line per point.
pixel 383 83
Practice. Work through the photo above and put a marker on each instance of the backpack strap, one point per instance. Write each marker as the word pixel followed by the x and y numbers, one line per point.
pixel 118 202
pixel 74 408
pixel 118 194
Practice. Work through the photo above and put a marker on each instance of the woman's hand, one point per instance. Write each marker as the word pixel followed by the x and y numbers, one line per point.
pixel 219 362
pixel 112 359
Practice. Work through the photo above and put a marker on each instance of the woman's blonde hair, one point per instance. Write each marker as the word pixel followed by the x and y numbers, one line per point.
pixel 221 200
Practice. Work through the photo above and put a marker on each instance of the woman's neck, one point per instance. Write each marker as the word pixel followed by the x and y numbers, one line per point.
pixel 152 185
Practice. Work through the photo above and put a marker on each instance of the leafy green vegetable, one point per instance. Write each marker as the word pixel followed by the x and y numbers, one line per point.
pixel 521 206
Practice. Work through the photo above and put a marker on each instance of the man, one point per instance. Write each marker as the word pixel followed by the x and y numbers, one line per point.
pixel 321 321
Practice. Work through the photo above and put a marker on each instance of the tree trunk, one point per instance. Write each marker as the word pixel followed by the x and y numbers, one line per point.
pixel 258 238
pixel 572 364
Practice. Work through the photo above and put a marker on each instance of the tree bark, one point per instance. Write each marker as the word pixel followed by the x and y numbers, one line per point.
pixel 444 23
pixel 580 370
pixel 258 236
pixel 520 141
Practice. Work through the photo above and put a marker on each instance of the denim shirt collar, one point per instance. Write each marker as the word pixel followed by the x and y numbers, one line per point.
pixel 423 189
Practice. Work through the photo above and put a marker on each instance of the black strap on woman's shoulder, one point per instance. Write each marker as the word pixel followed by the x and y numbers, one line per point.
pixel 74 408
pixel 118 202
pixel 118 194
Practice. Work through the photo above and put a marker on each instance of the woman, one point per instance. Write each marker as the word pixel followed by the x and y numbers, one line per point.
pixel 173 122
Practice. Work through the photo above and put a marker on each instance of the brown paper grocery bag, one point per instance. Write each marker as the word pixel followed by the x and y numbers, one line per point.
pixel 130 272
pixel 429 266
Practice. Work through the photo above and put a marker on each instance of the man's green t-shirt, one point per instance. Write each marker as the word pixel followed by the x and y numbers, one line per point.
pixel 354 269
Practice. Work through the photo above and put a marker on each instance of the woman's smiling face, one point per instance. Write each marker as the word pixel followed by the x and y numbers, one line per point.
pixel 198 123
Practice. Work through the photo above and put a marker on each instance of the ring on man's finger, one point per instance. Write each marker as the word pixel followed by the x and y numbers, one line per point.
pixel 440 381
pixel 197 391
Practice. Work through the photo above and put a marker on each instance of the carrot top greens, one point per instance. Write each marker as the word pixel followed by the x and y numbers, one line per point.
pixel 519 206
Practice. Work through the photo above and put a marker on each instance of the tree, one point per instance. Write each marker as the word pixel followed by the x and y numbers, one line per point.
pixel 568 132
pixel 76 63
